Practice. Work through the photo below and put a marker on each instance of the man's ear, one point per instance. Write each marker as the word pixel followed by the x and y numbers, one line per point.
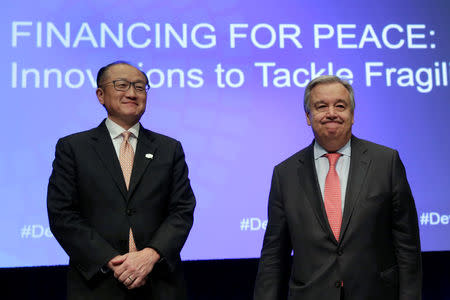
pixel 307 118
pixel 100 94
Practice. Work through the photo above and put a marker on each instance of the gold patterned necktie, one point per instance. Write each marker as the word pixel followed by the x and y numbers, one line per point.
pixel 126 158
pixel 332 195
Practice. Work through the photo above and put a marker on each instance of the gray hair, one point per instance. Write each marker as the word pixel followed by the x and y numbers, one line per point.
pixel 325 79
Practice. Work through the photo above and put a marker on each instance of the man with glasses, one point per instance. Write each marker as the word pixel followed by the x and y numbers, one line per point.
pixel 119 199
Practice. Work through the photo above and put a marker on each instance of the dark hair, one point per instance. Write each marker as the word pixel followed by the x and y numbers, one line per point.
pixel 102 72
pixel 325 79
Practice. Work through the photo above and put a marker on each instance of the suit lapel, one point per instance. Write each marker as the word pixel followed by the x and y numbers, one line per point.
pixel 308 182
pixel 102 143
pixel 145 153
pixel 359 165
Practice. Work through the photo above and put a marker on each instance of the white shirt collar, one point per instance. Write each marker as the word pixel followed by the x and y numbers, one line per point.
pixel 319 151
pixel 116 130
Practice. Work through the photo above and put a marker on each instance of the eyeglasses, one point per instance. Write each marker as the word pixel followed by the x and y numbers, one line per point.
pixel 122 85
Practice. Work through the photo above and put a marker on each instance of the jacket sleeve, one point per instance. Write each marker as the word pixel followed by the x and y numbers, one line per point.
pixel 405 233
pixel 87 250
pixel 274 265
pixel 170 237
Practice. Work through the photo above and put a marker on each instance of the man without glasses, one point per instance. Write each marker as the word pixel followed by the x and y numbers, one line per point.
pixel 344 208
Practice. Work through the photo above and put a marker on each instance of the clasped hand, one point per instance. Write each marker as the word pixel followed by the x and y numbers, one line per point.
pixel 132 268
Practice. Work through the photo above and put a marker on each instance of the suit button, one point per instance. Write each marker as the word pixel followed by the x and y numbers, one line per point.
pixel 338 284
pixel 129 212
pixel 340 252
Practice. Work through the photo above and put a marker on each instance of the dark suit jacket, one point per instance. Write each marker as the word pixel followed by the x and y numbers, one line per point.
pixel 90 211
pixel 378 255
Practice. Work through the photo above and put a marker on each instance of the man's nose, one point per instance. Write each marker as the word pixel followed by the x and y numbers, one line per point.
pixel 331 112
pixel 131 93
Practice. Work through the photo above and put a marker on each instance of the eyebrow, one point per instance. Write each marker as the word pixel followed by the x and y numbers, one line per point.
pixel 341 100
pixel 139 80
pixel 323 102
pixel 319 102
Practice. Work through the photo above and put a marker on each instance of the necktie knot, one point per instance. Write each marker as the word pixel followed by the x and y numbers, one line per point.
pixel 126 135
pixel 333 158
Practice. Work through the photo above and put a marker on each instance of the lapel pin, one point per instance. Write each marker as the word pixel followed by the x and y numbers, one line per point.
pixel 149 156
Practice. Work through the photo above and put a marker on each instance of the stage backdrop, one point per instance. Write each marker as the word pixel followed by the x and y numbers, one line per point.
pixel 227 79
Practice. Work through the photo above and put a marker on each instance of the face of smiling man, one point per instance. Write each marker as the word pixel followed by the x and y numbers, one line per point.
pixel 330 115
pixel 124 107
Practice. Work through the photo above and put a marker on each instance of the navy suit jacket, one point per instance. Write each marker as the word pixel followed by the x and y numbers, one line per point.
pixel 90 211
pixel 378 255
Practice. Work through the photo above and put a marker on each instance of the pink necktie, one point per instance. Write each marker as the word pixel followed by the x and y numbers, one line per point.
pixel 126 158
pixel 332 195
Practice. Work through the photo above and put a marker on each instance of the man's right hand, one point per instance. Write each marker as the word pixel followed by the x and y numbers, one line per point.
pixel 114 265
pixel 132 268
